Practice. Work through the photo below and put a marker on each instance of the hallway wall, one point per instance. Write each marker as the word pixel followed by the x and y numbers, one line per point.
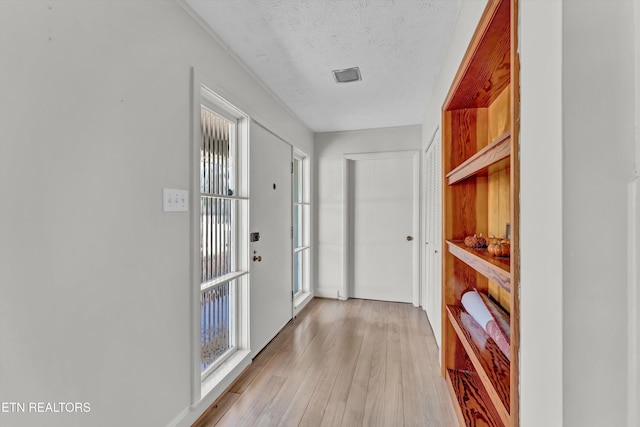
pixel 599 152
pixel 94 277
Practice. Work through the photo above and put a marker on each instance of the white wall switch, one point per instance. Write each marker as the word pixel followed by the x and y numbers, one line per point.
pixel 175 200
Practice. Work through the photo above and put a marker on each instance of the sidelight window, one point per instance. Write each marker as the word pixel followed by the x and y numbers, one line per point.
pixel 301 215
pixel 222 217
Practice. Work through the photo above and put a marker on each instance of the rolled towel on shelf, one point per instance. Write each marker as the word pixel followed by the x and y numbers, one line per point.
pixel 475 306
pixel 490 317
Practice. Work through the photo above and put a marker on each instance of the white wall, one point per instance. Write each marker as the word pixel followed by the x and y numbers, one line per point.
pixel 541 208
pixel 330 149
pixel 633 292
pixel 598 129
pixel 94 278
pixel 577 116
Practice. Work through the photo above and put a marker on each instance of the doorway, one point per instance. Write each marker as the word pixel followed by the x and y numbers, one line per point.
pixel 381 226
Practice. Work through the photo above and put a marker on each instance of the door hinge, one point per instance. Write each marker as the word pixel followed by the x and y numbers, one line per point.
pixel 291 167
pixel 292 295
pixel 292 232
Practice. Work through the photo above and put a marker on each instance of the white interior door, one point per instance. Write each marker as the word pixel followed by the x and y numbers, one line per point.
pixel 384 227
pixel 432 293
pixel 271 274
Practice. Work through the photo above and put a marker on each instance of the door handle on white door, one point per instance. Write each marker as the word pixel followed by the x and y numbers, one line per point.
pixel 409 238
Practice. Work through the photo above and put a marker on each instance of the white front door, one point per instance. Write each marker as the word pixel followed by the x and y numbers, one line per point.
pixel 383 224
pixel 271 275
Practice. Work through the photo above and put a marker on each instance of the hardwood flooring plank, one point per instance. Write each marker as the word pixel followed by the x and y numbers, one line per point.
pixel 296 342
pixel 351 363
pixel 264 387
pixel 357 395
pixel 355 328
pixel 376 404
pixel 393 414
pixel 301 322
pixel 297 406
pixel 411 383
pixel 246 411
pixel 333 414
pixel 299 366
pixel 331 363
pixel 394 367
pixel 320 360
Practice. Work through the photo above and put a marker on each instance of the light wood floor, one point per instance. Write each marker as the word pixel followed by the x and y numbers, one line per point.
pixel 342 363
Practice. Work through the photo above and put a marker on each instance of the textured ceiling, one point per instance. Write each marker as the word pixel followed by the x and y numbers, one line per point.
pixel 293 45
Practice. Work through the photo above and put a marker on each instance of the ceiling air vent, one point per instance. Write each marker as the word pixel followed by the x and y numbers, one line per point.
pixel 347 75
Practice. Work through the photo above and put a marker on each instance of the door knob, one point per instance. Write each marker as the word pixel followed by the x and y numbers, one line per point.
pixel 257 258
pixel 409 238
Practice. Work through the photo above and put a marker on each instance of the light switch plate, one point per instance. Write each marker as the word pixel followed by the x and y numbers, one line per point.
pixel 175 200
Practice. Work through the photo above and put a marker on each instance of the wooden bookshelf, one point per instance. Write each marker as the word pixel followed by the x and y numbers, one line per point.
pixel 480 167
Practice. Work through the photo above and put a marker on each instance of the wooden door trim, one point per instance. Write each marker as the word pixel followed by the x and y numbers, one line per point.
pixel 347 199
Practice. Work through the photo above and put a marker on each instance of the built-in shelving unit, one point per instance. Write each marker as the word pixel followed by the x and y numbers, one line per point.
pixel 480 195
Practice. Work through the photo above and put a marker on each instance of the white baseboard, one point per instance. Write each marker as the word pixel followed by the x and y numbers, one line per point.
pixel 328 293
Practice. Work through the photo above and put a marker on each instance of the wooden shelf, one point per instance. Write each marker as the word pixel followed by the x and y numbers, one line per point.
pixel 471 400
pixel 497 150
pixel 491 365
pixel 495 269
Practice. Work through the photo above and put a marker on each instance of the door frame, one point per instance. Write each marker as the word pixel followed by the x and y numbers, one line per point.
pixel 347 226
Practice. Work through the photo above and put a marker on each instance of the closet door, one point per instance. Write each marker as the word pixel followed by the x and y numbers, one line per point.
pixel 384 250
pixel 432 301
